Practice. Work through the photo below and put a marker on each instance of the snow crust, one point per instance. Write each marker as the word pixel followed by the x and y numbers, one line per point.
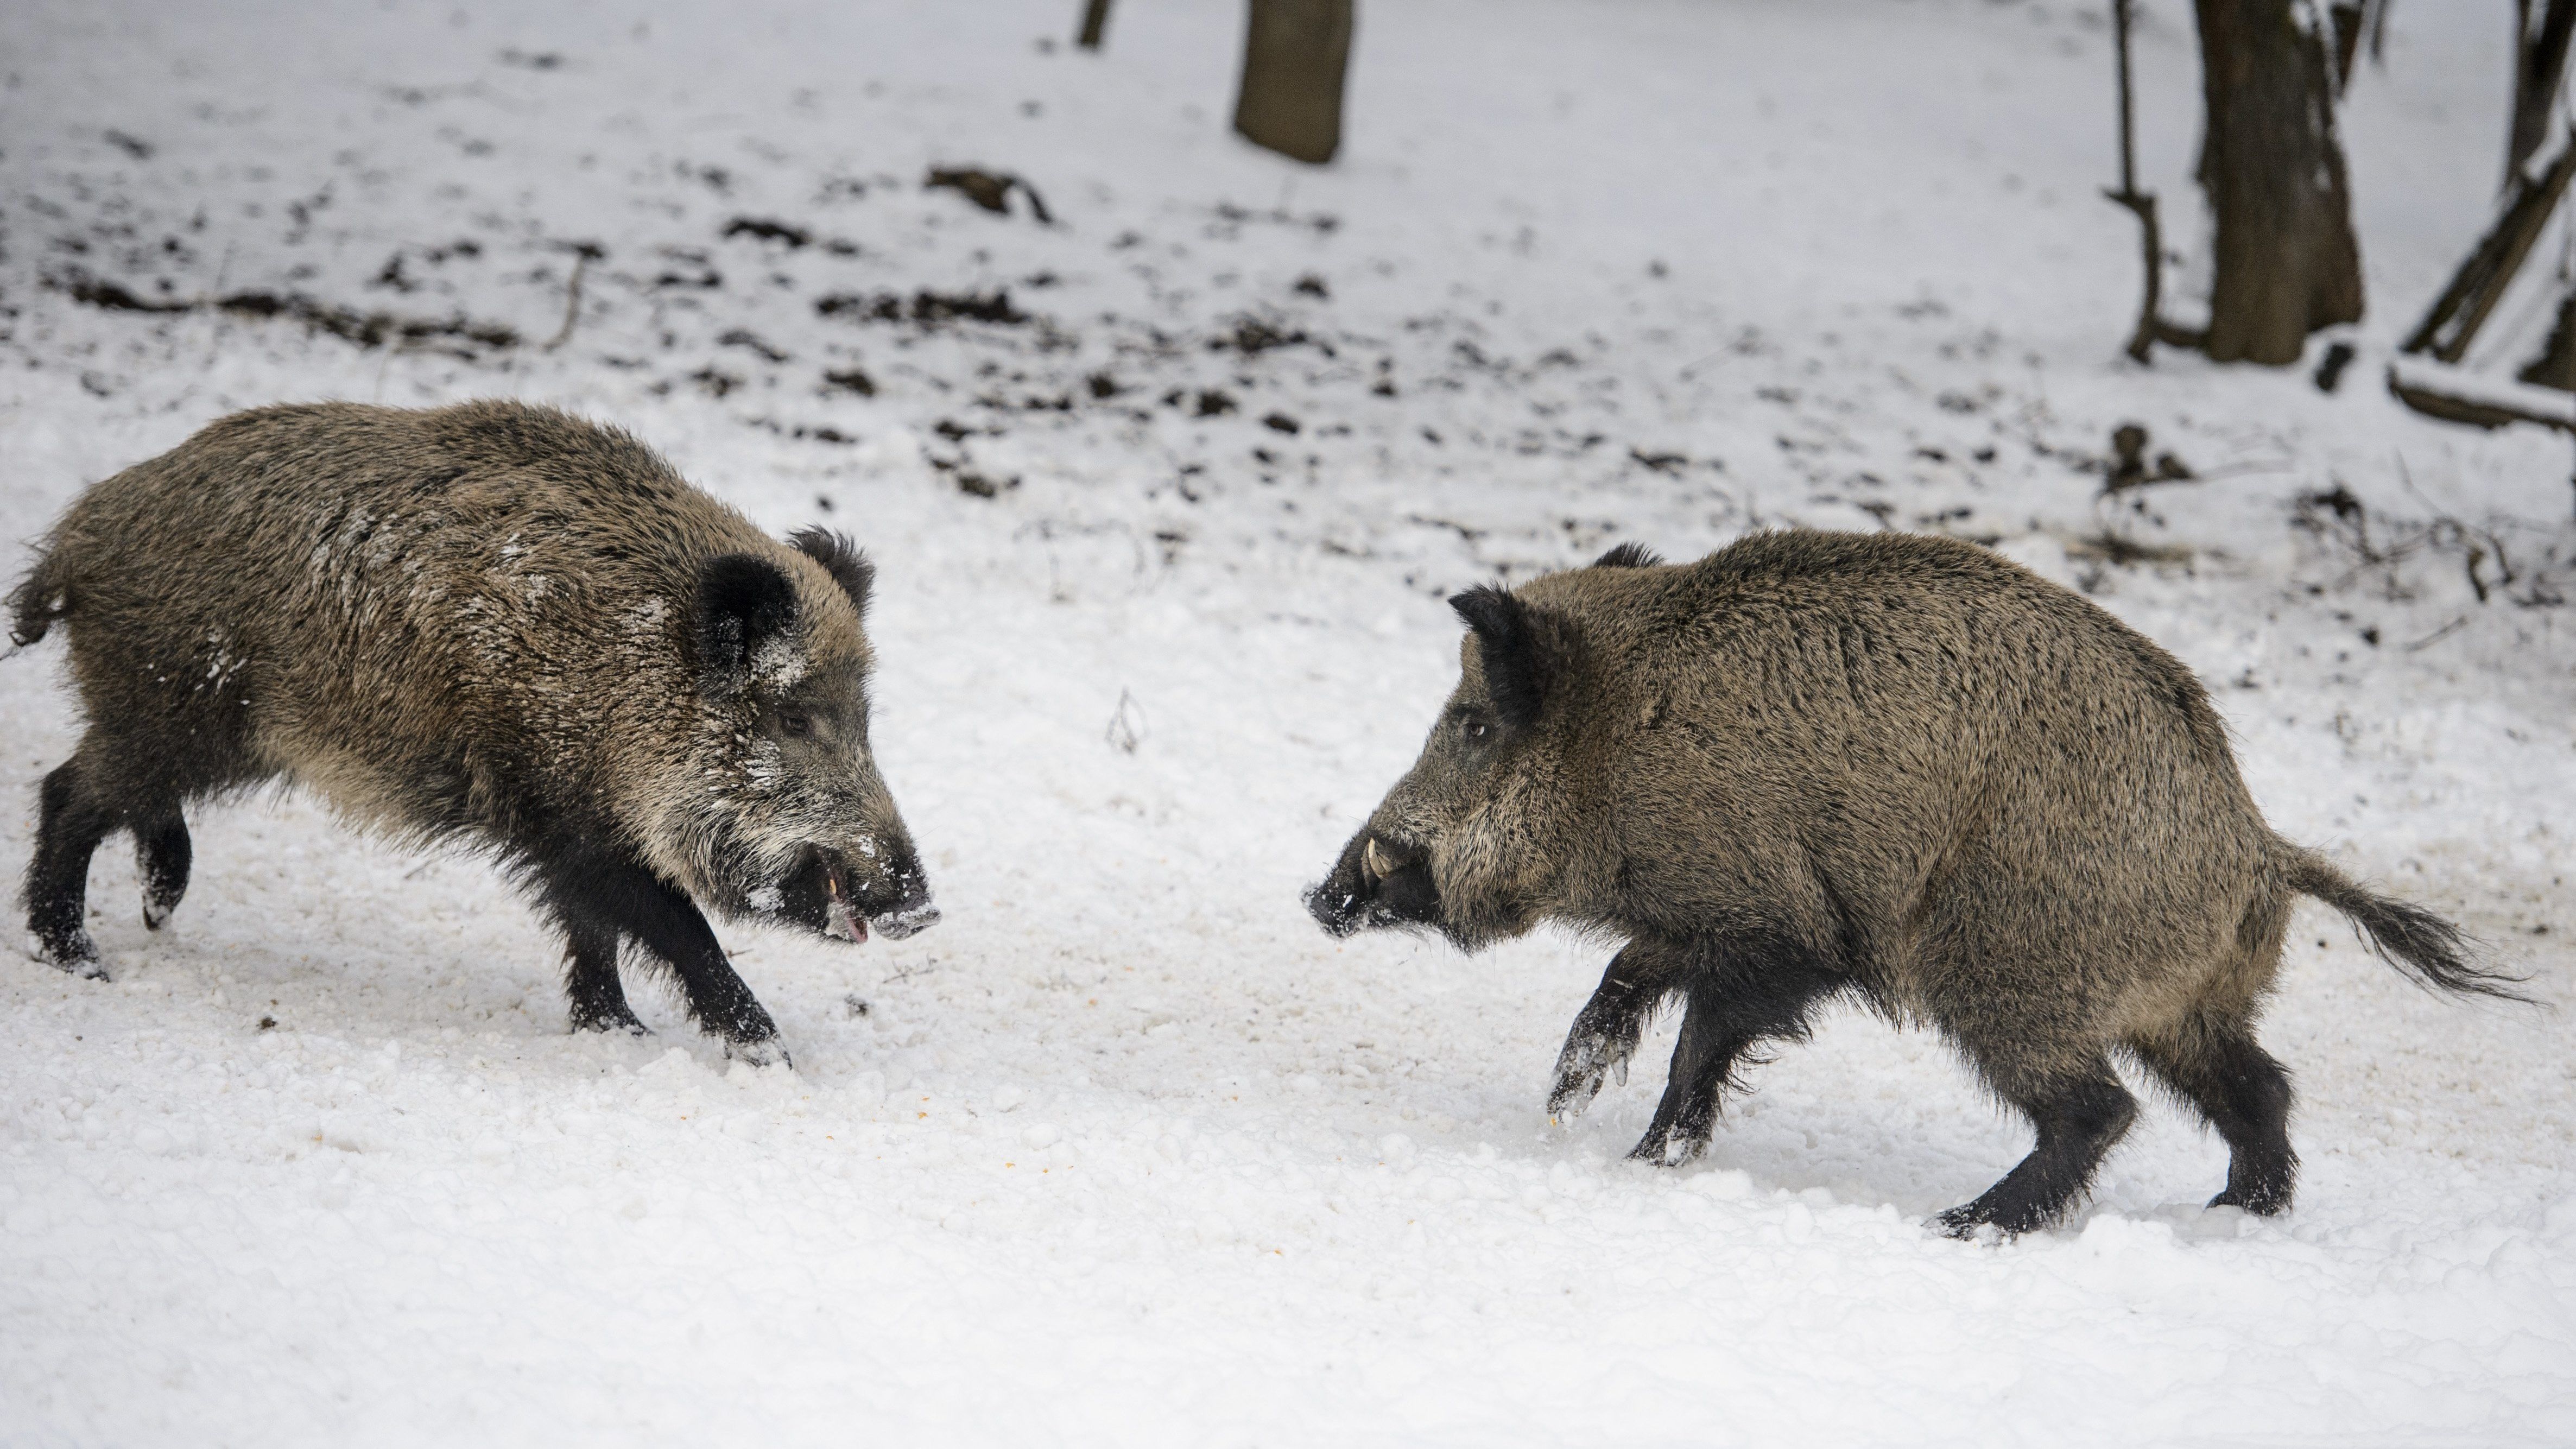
pixel 1126 1151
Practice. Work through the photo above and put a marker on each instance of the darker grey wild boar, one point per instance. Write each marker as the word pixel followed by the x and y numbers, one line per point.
pixel 490 625
pixel 1891 769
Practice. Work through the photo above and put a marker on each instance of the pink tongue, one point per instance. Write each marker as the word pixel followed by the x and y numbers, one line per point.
pixel 849 922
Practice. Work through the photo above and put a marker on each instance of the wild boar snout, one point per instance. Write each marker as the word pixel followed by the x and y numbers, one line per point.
pixel 1377 882
pixel 881 884
pixel 912 912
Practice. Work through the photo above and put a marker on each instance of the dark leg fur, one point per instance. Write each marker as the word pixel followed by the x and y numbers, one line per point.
pixel 1740 994
pixel 73 817
pixel 2078 1116
pixel 161 857
pixel 590 979
pixel 1605 1032
pixel 1703 1060
pixel 2245 1094
pixel 112 784
pixel 598 898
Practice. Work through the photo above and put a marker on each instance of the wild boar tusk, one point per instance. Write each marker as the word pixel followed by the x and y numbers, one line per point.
pixel 1373 862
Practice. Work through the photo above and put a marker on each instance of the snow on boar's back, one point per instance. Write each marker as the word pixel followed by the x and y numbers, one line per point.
pixel 492 625
pixel 1878 767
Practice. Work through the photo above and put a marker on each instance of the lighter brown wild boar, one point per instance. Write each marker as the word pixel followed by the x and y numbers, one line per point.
pixel 1893 769
pixel 491 625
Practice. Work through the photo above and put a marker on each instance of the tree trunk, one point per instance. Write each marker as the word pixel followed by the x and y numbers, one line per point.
pixel 2286 262
pixel 2539 63
pixel 2348 21
pixel 1095 24
pixel 1295 53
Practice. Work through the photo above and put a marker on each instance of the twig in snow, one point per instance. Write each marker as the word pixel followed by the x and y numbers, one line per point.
pixel 2128 468
pixel 584 251
pixel 2445 632
pixel 2476 412
pixel 990 190
pixel 1095 24
pixel 1126 727
pixel 2151 328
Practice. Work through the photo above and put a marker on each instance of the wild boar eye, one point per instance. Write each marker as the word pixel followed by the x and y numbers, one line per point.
pixel 795 723
pixel 1474 729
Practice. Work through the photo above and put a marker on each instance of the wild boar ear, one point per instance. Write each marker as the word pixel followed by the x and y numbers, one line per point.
pixel 841 559
pixel 1516 667
pixel 744 602
pixel 1629 555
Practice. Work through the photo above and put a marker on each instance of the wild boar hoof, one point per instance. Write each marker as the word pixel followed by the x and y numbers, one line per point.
pixel 1582 1067
pixel 1668 1149
pixel 2262 1201
pixel 1998 1222
pixel 763 1053
pixel 73 952
pixel 1578 1081
pixel 620 1017
pixel 1569 1099
pixel 1965 1223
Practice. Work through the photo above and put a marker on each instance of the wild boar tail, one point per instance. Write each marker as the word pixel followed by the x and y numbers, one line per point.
pixel 43 596
pixel 2409 937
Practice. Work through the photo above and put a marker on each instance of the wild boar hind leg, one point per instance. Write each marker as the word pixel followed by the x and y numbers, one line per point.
pixel 2211 1060
pixel 595 897
pixel 73 815
pixel 106 786
pixel 2078 1110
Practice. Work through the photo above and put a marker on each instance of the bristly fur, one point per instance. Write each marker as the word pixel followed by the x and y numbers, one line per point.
pixel 494 627
pixel 1515 674
pixel 1886 768
pixel 1630 555
pixel 841 559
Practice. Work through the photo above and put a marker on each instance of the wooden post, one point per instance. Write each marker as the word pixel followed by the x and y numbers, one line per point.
pixel 1295 54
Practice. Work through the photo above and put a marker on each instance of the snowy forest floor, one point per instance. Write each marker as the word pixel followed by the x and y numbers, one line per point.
pixel 1166 496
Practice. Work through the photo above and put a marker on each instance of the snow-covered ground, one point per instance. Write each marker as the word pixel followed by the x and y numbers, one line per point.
pixel 1126 1151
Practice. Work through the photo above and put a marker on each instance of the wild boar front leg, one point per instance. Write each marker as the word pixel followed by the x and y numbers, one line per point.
pixel 590 979
pixel 595 894
pixel 1742 992
pixel 1605 1032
